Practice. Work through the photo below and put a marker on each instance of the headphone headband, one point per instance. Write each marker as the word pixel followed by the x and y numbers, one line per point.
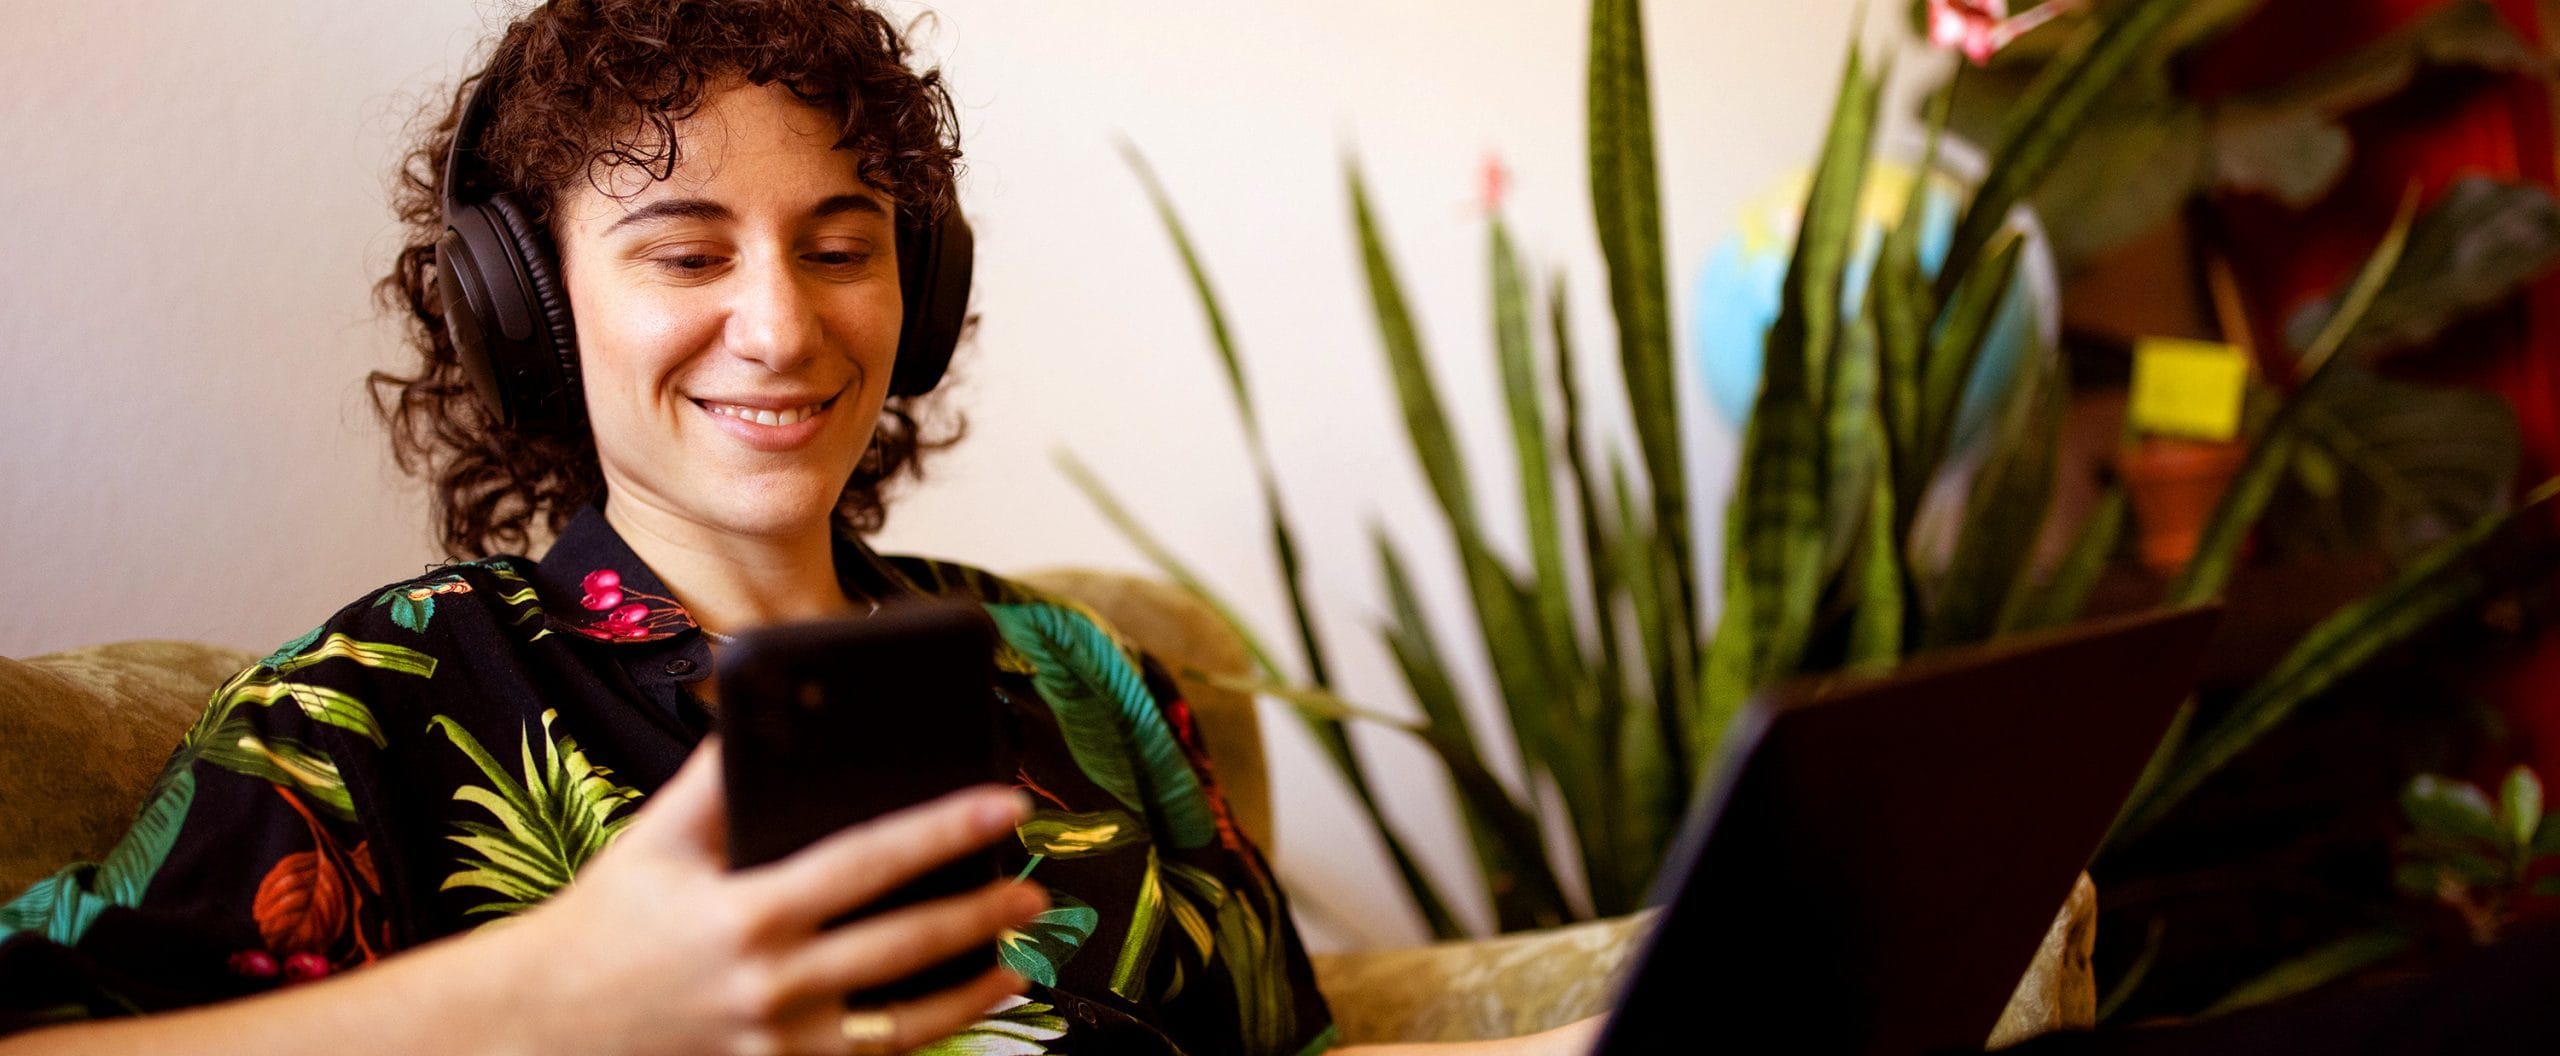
pixel 507 311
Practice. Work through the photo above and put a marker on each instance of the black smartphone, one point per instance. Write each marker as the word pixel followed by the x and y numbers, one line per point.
pixel 829 723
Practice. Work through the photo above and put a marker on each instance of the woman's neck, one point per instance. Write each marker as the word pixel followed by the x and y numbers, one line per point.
pixel 731 582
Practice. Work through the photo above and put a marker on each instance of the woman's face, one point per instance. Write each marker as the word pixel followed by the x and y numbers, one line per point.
pixel 736 322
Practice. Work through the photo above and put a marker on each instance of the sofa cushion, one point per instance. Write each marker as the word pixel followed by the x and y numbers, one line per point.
pixel 83 733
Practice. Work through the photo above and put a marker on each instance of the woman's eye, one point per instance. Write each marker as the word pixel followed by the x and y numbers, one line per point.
pixel 689 264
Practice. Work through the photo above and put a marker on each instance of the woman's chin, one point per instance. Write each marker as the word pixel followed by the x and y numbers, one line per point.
pixel 777 517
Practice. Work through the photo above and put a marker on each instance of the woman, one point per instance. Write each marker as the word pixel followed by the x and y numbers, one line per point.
pixel 726 216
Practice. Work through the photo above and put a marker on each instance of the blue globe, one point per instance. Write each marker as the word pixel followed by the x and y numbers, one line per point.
pixel 1738 289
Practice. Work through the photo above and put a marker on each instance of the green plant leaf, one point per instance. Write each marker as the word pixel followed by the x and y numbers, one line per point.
pixel 1426 425
pixel 1626 204
pixel 2129 983
pixel 1878 627
pixel 1949 358
pixel 2270 451
pixel 2066 592
pixel 2323 965
pixel 2295 156
pixel 1853 442
pixel 1284 545
pixel 2141 153
pixel 1327 732
pixel 2546 837
pixel 1905 307
pixel 2438 583
pixel 1112 725
pixel 1782 491
pixel 2004 512
pixel 1162 556
pixel 2479 244
pixel 1529 445
pixel 1505 614
pixel 2408 465
pixel 2047 121
pixel 2461 33
pixel 2452 809
pixel 1508 840
pixel 2520 806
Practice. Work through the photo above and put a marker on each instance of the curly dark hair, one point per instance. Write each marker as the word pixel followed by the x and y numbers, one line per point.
pixel 577 78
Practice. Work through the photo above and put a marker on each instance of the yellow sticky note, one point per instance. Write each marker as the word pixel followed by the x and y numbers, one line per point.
pixel 2188 388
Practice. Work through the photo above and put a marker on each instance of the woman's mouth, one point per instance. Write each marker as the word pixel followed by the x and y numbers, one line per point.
pixel 761 416
pixel 769 428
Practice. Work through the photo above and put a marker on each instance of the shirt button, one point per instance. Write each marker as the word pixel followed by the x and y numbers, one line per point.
pixel 679 667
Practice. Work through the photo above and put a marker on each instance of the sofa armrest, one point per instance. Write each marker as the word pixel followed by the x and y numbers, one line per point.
pixel 1523 983
pixel 1476 989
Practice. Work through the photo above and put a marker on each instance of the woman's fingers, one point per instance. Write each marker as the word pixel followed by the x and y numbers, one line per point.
pixel 853 867
pixel 926 1019
pixel 879 950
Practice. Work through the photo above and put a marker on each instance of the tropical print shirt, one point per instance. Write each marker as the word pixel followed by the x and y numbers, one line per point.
pixel 450 750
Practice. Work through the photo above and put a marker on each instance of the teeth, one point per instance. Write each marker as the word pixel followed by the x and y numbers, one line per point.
pixel 793 416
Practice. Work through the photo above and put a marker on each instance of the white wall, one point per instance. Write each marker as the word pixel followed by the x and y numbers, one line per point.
pixel 193 211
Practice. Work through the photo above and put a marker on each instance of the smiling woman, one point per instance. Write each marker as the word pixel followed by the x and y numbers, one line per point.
pixel 740 325
pixel 676 273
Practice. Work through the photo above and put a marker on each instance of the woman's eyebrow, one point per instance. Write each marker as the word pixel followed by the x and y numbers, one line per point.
pixel 849 203
pixel 708 210
pixel 673 209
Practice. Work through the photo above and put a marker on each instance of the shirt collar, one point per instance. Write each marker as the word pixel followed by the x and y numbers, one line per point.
pixel 592 583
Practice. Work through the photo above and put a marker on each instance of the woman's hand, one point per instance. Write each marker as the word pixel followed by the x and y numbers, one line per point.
pixel 1577 1038
pixel 659 948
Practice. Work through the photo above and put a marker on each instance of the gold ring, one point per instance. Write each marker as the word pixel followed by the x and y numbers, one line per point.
pixel 868 1032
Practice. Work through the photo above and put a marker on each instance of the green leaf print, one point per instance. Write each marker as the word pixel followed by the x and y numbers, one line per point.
pixel 282 761
pixel 320 703
pixel 264 685
pixel 1196 896
pixel 287 650
pixel 380 655
pixel 1019 1027
pixel 1037 950
pixel 1256 965
pixel 1065 834
pixel 1146 925
pixel 565 812
pixel 64 905
pixel 1113 727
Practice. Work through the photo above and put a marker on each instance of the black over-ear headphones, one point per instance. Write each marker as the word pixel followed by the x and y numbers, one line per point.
pixel 508 314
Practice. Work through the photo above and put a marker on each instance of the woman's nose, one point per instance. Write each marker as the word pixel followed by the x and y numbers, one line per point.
pixel 773 319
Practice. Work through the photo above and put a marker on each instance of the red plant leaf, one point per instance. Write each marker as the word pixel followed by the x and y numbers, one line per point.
pixel 302 905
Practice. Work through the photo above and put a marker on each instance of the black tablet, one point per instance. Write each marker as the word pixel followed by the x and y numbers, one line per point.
pixel 1872 864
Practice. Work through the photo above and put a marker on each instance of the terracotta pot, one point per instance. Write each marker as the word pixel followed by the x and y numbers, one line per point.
pixel 2174 484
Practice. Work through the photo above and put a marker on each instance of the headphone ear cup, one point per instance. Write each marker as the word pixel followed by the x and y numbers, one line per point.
pixel 560 401
pixel 935 265
pixel 506 316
